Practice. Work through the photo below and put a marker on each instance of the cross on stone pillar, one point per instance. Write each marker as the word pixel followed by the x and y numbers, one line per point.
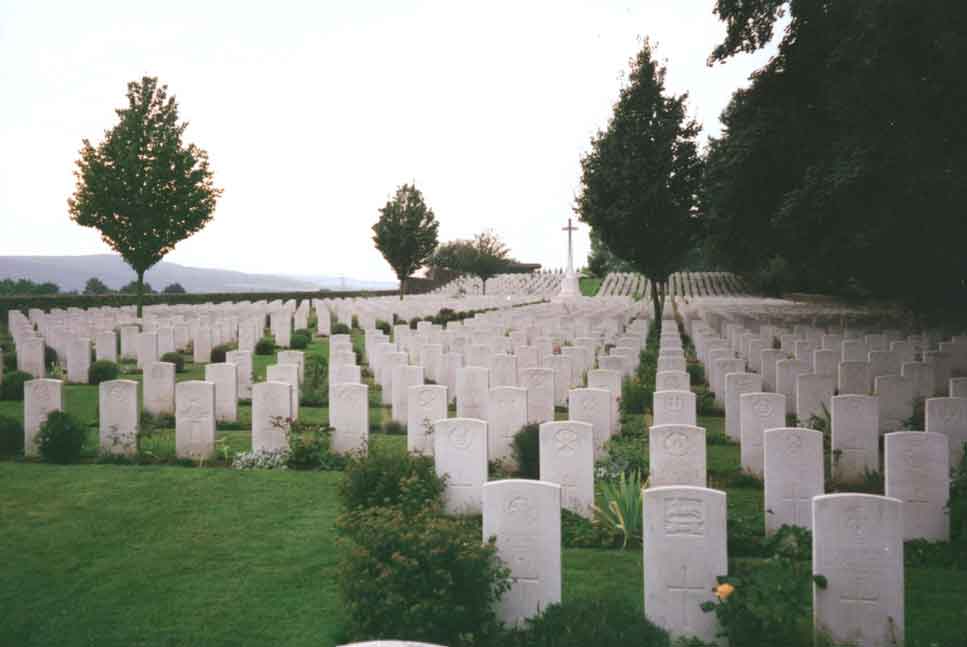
pixel 570 248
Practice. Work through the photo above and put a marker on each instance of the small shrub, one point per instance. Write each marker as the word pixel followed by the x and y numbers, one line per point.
pixel 696 373
pixel 621 511
pixel 355 322
pixel 12 387
pixel 394 428
pixel 220 352
pixel 50 357
pixel 423 576
pixel 957 506
pixel 340 329
pixel 383 326
pixel 635 397
pixel 526 451
pixel 413 322
pixel 624 455
pixel 11 436
pixel 265 346
pixel 9 362
pixel 602 622
pixel 103 370
pixel 389 478
pixel 578 532
pixel 303 331
pixel 60 438
pixel 175 358
pixel 298 341
pixel 768 604
pixel 308 445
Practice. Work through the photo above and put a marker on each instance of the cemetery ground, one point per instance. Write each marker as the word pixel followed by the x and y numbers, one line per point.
pixel 168 555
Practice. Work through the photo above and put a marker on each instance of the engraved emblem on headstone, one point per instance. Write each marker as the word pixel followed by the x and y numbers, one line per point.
pixel 684 516
pixel 676 443
pixel 566 441
pixel 675 402
pixel 460 437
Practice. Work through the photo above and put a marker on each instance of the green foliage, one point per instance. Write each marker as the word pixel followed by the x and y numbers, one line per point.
pixel 299 341
pixel 641 179
pixel 315 385
pixel 142 188
pixel 636 397
pixel 696 373
pixel 96 286
pixel 388 478
pixel 11 436
pixel 60 438
pixel 602 260
pixel 309 447
pixel 768 604
pixel 578 532
pixel 394 428
pixel 50 357
pixel 175 358
pixel 265 346
pixel 9 361
pixel 603 622
pixel 423 576
pixel 870 140
pixel 406 233
pixel 620 509
pixel 384 327
pixel 526 451
pixel 220 352
pixel 132 288
pixel 173 288
pixel 625 455
pixel 12 387
pixel 340 329
pixel 103 370
pixel 25 287
pixel 484 257
pixel 957 505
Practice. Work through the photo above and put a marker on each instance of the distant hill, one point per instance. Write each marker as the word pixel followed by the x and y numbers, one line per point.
pixel 72 272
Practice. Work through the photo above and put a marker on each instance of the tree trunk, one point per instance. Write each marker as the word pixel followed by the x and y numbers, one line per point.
pixel 402 288
pixel 483 286
pixel 656 303
pixel 140 291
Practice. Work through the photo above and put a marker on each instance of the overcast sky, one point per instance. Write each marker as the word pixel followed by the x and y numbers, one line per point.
pixel 313 112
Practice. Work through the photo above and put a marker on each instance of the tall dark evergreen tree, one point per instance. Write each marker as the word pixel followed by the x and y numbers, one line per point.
pixel 640 181
pixel 142 187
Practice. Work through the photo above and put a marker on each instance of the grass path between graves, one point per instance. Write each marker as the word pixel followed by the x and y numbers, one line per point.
pixel 589 286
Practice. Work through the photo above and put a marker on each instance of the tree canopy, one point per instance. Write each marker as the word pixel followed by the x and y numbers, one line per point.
pixel 96 286
pixel 406 233
pixel 142 187
pixel 641 179
pixel 841 163
pixel 485 256
pixel 173 288
pixel 26 287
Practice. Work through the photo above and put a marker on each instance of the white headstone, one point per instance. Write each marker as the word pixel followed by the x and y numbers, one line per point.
pixel 562 377
pixel 895 395
pixel 674 408
pixel 225 378
pixel 948 416
pixel 106 346
pixel 147 348
pixel 349 418
pixel 41 396
pixel 271 411
pixel 506 414
pixel 813 393
pixel 525 517
pixel 195 419
pixel 676 455
pixel 158 388
pixel 567 458
pixel 735 385
pixel 858 549
pixel 917 469
pixel 288 373
pixel 593 406
pixel 672 381
pixel 787 372
pixel 473 391
pixel 118 414
pixel 855 437
pixel 242 359
pixel 758 412
pixel 460 452
pixel 539 383
pixel 404 376
pixel 684 548
pixel 427 404
pixel 793 470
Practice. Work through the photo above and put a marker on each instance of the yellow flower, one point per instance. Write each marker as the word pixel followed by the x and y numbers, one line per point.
pixel 723 591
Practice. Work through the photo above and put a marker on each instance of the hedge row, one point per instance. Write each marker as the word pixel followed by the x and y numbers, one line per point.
pixel 49 302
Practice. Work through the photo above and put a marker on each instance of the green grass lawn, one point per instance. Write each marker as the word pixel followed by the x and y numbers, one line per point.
pixel 589 286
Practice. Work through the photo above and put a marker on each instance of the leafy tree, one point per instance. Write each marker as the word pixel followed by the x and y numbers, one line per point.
pixel 142 187
pixel 602 260
pixel 135 287
pixel 96 286
pixel 640 181
pixel 484 257
pixel 173 288
pixel 26 287
pixel 842 162
pixel 406 233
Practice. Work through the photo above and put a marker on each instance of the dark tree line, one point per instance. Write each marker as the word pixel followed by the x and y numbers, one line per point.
pixel 841 168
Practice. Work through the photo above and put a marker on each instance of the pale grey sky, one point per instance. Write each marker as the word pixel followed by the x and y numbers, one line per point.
pixel 313 112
